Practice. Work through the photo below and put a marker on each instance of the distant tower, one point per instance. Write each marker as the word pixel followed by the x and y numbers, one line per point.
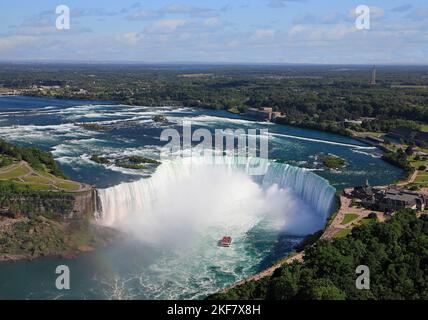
pixel 373 80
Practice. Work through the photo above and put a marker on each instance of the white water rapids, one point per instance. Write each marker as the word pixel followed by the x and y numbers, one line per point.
pixel 187 197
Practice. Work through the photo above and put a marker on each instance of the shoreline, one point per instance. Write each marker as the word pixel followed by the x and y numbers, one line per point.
pixel 72 254
pixel 351 136
pixel 333 227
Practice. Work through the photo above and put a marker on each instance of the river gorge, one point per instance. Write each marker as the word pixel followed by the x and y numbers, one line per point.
pixel 174 214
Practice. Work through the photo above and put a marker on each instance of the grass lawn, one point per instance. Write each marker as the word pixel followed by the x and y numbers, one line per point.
pixel 35 187
pixel 349 217
pixel 417 164
pixel 424 128
pixel 342 233
pixel 36 180
pixel 422 178
pixel 390 147
pixel 67 185
pixel 43 182
pixel 14 173
pixel 367 221
pixel 234 110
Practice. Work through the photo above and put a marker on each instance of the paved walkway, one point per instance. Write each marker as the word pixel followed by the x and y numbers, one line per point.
pixel 335 227
pixel 12 167
pixel 411 179
pixel 266 273
pixel 345 208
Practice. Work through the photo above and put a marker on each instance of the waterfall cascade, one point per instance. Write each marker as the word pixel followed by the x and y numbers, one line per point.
pixel 136 197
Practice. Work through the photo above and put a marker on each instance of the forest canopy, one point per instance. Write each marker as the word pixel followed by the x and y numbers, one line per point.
pixel 396 253
pixel 38 159
pixel 304 93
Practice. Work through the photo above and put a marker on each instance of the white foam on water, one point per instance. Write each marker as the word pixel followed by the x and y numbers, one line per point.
pixel 373 155
pixel 206 119
pixel 322 141
pixel 186 206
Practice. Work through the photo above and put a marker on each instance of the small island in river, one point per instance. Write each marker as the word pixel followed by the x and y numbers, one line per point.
pixel 132 162
pixel 333 162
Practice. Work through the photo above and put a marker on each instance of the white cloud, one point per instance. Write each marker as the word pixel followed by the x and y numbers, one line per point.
pixel 375 12
pixel 180 8
pixel 14 41
pixel 144 15
pixel 263 34
pixel 212 22
pixel 419 14
pixel 129 38
pixel 189 33
pixel 166 26
pixel 281 3
pixel 320 33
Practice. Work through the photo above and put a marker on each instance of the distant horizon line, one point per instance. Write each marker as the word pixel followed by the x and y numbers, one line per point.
pixel 202 63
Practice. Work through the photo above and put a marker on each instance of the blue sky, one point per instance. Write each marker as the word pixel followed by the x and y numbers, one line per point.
pixel 246 31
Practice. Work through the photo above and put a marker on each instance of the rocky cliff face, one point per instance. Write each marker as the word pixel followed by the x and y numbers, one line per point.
pixel 38 224
pixel 59 206
pixel 85 205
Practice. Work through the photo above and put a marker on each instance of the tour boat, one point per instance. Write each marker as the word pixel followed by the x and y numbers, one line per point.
pixel 225 242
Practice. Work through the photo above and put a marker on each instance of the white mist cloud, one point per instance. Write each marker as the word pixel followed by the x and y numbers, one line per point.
pixel 185 202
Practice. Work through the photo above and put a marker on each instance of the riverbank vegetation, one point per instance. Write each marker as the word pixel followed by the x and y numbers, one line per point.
pixel 399 159
pixel 18 200
pixel 131 162
pixel 30 170
pixel 395 251
pixel 26 178
pixel 319 97
pixel 37 158
pixel 99 160
pixel 30 238
pixel 333 162
pixel 42 214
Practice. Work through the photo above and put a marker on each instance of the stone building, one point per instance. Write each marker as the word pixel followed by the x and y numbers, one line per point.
pixel 265 113
pixel 389 199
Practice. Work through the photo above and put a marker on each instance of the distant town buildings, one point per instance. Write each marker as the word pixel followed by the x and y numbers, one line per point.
pixel 265 113
pixel 394 199
pixel 409 135
pixel 399 135
pixel 389 199
pixel 372 81
pixel 41 88
pixel 375 140
pixel 82 91
pixel 10 93
pixel 421 154
pixel 358 122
